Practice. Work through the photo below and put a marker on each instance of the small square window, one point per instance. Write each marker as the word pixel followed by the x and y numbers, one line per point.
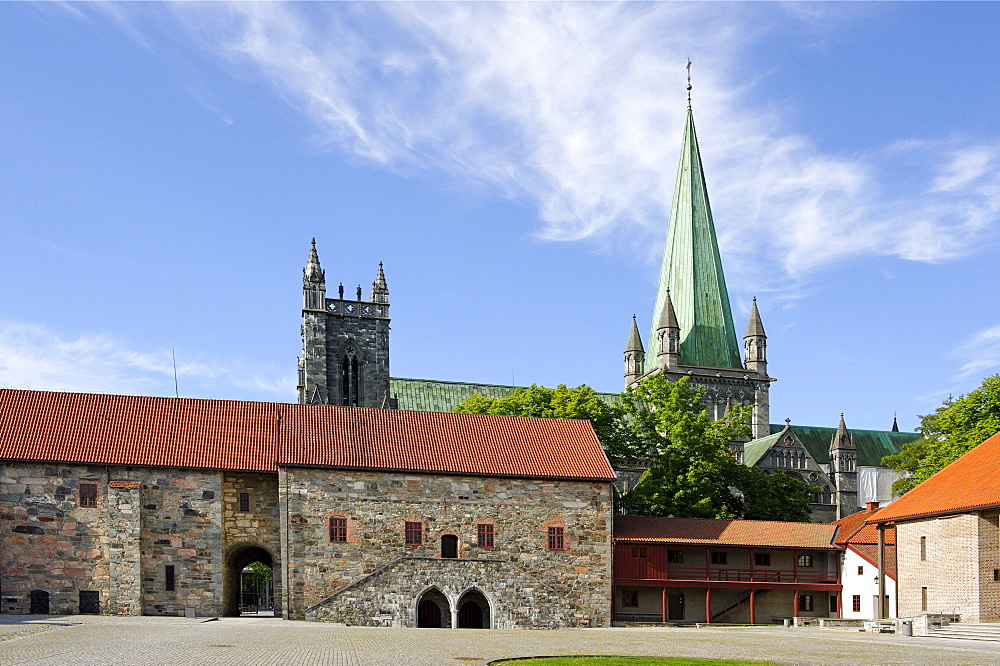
pixel 484 535
pixel 168 578
pixel 414 533
pixel 338 530
pixel 762 559
pixel 720 558
pixel 638 552
pixel 675 556
pixel 856 603
pixel 244 502
pixel 805 602
pixel 630 598
pixel 88 494
pixel 805 561
pixel 557 538
pixel 861 570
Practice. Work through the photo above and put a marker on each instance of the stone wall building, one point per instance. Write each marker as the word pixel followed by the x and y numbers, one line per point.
pixel 948 539
pixel 137 505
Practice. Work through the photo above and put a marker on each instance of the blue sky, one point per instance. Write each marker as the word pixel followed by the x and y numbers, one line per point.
pixel 164 167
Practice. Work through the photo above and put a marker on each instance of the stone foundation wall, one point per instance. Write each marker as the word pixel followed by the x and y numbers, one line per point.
pixel 517 599
pixel 376 506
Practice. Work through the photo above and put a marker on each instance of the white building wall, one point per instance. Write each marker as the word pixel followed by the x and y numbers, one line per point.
pixel 864 585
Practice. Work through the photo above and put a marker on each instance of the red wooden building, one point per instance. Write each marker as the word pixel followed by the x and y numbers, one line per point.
pixel 731 571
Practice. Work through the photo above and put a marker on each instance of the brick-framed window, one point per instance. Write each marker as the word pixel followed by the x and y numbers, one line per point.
pixel 557 538
pixel 805 602
pixel 169 578
pixel 675 556
pixel 923 548
pixel 720 557
pixel 762 559
pixel 630 598
pixel 805 561
pixel 856 603
pixel 413 532
pixel 88 494
pixel 484 535
pixel 244 502
pixel 861 570
pixel 638 552
pixel 338 530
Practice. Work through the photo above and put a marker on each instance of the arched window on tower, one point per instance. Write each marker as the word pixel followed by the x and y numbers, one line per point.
pixel 350 383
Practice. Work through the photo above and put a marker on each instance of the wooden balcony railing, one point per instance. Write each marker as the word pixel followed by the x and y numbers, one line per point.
pixel 629 570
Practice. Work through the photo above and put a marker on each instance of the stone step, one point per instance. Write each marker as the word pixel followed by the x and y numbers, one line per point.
pixel 985 631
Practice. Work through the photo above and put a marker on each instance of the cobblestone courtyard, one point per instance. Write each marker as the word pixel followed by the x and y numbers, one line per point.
pixel 93 640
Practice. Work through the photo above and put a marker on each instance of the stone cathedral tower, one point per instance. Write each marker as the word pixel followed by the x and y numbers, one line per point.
pixel 692 332
pixel 345 343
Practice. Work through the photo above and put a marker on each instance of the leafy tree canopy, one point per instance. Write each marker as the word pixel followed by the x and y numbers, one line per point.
pixel 616 436
pixel 950 432
pixel 694 473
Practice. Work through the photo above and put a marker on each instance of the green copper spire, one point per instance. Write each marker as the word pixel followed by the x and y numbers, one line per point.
pixel 692 270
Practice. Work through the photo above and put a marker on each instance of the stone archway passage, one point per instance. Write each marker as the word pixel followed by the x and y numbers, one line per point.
pixel 237 560
pixel 473 611
pixel 433 610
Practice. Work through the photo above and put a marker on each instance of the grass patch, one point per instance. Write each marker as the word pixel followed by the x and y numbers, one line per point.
pixel 624 661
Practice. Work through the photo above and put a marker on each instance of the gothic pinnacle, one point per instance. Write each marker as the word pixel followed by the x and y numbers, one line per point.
pixel 313 272
pixel 634 341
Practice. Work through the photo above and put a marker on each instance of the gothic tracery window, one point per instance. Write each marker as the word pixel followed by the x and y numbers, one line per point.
pixel 350 367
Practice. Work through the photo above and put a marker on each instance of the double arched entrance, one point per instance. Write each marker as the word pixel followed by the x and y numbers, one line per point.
pixel 249 585
pixel 471 611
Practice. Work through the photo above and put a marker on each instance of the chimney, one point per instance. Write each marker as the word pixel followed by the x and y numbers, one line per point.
pixel 871 506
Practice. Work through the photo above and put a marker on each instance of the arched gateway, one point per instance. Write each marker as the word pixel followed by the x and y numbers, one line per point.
pixel 236 560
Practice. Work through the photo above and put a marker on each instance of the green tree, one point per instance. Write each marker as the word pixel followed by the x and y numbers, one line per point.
pixel 694 473
pixel 950 432
pixel 261 572
pixel 614 433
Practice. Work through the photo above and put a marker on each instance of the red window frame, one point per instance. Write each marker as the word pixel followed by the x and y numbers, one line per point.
pixel 557 538
pixel 856 603
pixel 88 494
pixel 338 530
pixel 805 602
pixel 484 535
pixel 413 532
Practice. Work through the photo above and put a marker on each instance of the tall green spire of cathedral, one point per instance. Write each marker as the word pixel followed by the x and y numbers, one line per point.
pixel 692 270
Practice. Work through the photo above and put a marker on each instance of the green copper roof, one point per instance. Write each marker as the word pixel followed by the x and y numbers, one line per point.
pixel 872 445
pixel 692 270
pixel 434 395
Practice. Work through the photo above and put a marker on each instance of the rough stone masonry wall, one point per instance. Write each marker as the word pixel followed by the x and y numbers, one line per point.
pixel 120 547
pixel 47 540
pixel 376 505
pixel 957 561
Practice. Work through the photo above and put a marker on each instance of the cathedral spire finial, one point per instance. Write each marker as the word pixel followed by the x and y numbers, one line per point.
pixel 313 272
pixel 689 82
pixel 380 290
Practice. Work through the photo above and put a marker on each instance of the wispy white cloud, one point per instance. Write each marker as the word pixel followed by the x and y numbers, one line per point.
pixel 34 356
pixel 577 108
pixel 980 354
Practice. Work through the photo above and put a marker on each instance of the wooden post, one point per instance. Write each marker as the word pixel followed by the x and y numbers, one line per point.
pixel 753 610
pixel 751 565
pixel 881 572
pixel 663 604
pixel 708 565
pixel 614 602
pixel 708 605
pixel 795 604
pixel 795 567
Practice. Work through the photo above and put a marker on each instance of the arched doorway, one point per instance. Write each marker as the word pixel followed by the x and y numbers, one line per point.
pixel 473 611
pixel 449 546
pixel 248 590
pixel 433 609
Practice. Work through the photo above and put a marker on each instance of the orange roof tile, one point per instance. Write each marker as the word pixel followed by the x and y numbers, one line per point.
pixel 971 482
pixel 776 534
pixel 257 436
pixel 865 543
pixel 366 438
pixel 850 525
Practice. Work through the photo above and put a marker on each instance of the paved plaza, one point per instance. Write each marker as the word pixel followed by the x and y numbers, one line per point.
pixel 94 640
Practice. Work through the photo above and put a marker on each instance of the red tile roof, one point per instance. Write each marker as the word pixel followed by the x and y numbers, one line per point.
pixel 774 534
pixel 862 538
pixel 971 482
pixel 257 436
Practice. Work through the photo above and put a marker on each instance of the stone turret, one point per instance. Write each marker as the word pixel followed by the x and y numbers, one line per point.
pixel 844 470
pixel 668 337
pixel 380 290
pixel 634 355
pixel 755 343
pixel 312 370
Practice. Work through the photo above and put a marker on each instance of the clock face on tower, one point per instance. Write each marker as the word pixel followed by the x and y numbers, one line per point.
pixel 349 308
